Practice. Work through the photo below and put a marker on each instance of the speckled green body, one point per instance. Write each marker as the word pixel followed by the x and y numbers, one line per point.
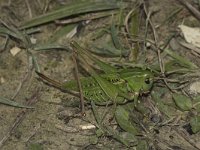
pixel 131 83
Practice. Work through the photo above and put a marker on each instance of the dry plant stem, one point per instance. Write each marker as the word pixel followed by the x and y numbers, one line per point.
pixel 127 34
pixel 79 83
pixel 166 143
pixel 157 46
pixel 19 118
pixel 27 76
pixel 38 3
pixel 155 38
pixel 46 6
pixel 21 84
pixel 195 53
pixel 146 27
pixel 187 138
pixel 190 46
pixel 29 9
pixel 192 9
pixel 127 19
pixel 2 48
pixel 35 130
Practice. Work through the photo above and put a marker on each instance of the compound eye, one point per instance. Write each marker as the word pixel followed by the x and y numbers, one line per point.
pixel 147 81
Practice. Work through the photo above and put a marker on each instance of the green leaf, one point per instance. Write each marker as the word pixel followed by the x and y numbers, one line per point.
pixel 116 135
pixel 195 124
pixel 93 139
pixel 182 101
pixel 6 101
pixel 168 111
pixel 142 145
pixel 196 103
pixel 104 129
pixel 122 118
pixel 129 137
pixel 35 146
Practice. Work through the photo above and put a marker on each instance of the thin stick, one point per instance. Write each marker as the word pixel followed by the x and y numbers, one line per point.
pixel 148 14
pixel 19 118
pixel 27 75
pixel 79 83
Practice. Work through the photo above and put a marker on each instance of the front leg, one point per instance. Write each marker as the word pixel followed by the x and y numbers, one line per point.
pixel 134 97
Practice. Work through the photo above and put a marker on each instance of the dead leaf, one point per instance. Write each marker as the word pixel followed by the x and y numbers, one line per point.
pixel 191 35
pixel 195 88
pixel 15 50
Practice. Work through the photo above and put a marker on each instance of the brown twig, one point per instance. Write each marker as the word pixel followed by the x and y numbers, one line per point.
pixel 79 83
pixel 19 118
pixel 192 9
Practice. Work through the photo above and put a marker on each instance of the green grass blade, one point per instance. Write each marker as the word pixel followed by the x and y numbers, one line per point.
pixel 69 10
pixel 9 102
pixel 14 32
pixel 182 61
pixel 6 31
pixel 109 51
pixel 48 46
pixel 34 61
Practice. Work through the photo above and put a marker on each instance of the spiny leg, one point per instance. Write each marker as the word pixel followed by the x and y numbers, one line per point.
pixel 79 83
